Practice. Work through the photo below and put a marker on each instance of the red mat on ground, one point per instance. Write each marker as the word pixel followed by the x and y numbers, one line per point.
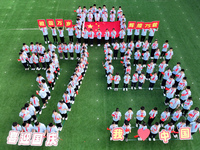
pixel 103 26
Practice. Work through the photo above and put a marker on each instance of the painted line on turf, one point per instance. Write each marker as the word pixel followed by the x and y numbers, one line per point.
pixel 25 29
pixel 139 89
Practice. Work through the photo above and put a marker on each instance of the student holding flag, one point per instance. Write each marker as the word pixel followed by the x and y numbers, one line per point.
pixel 113 35
pixel 153 80
pixel 151 34
pixel 195 126
pixel 154 131
pixel 176 116
pixel 192 115
pixel 127 130
pixel 154 46
pixel 57 119
pixel 62 108
pixel 140 115
pixel 152 115
pixel 126 81
pixel 164 116
pixel 187 105
pixel 109 81
pixel 134 80
pixel 128 115
pixel 117 79
pixel 112 126
pixel 116 116
pixel 98 34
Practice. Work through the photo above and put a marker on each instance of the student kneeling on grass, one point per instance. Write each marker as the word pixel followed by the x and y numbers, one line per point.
pixel 154 131
pixel 142 126
pixel 112 126
pixel 127 130
pixel 57 119
pixel 178 126
pixel 195 126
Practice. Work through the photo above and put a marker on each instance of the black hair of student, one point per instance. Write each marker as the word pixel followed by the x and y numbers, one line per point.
pixel 113 122
pixel 50 42
pixel 130 108
pixel 64 43
pixel 142 73
pixel 108 60
pixel 178 109
pixel 110 63
pixel 37 123
pixel 24 43
pixel 177 96
pixel 53 57
pixel 183 70
pixel 45 51
pixel 43 81
pixel 126 54
pixel 31 43
pixel 117 73
pixel 167 109
pixel 139 63
pixel 48 50
pixel 23 124
pixel 136 72
pixel 166 41
pixel 60 28
pixel 109 73
pixel 84 6
pixel 14 124
pixel 173 86
pixel 36 42
pixel 23 108
pixel 170 123
pixel 142 108
pixel 171 48
pixel 53 52
pixel 52 27
pixel 190 98
pixel 120 7
pixel 184 121
pixel 126 123
pixel 66 92
pixel 198 120
pixel 184 78
pixel 94 5
pixel 51 124
pixel 104 5
pixel 48 71
pixel 26 105
pixel 178 63
pixel 155 108
pixel 61 101
pixel 144 123
pixel 117 109
pixel 32 96
pixel 128 65
pixel 54 111
pixel 196 108
pixel 157 123
pixel 40 43
pixel 20 53
pixel 108 53
pixel 40 86
pixel 147 50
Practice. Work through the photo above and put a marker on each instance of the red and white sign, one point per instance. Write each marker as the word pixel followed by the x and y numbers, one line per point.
pixel 25 138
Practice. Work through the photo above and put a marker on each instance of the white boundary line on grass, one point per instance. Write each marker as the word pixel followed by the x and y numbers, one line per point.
pixel 25 29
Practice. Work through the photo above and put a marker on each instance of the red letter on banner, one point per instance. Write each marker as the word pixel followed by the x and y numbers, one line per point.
pixel 50 23
pixel 41 23
pixel 131 24
pixel 147 25
pixel 59 22
pixel 155 24
pixel 139 25
pixel 68 23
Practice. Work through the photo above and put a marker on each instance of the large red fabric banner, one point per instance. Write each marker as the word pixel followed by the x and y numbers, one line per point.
pixel 103 26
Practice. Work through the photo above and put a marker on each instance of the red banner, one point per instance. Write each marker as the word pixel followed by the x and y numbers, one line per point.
pixel 131 24
pixel 41 23
pixel 68 23
pixel 147 25
pixel 50 23
pixel 59 22
pixel 155 24
pixel 139 25
pixel 103 26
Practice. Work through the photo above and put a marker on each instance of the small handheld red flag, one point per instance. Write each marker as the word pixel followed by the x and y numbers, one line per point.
pixel 150 74
pixel 108 129
pixel 121 62
pixel 128 119
pixel 136 136
pixel 18 59
pixel 162 73
pixel 166 54
pixel 113 115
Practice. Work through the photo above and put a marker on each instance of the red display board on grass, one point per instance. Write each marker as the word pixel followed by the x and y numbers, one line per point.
pixel 103 26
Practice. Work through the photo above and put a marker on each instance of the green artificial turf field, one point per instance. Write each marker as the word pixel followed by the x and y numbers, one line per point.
pixel 179 23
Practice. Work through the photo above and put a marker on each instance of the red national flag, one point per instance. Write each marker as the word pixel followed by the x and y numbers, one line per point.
pixel 59 22
pixel 131 24
pixel 68 23
pixel 103 26
pixel 155 24
pixel 147 25
pixel 41 23
pixel 50 23
pixel 139 25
